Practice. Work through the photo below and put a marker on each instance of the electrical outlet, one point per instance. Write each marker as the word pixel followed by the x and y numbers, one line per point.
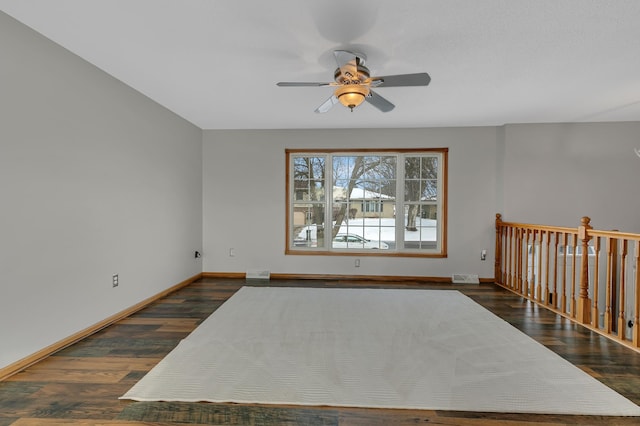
pixel 357 263
pixel 114 280
pixel 483 255
pixel 232 252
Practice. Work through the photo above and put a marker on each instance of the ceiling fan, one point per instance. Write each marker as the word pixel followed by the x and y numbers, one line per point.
pixel 354 83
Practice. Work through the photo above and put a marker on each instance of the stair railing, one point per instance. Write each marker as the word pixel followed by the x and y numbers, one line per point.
pixel 590 276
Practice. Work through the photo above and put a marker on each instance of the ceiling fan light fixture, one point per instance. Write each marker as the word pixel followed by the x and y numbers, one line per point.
pixel 351 95
pixel 353 83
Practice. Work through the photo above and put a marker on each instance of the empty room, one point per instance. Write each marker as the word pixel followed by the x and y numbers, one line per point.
pixel 319 212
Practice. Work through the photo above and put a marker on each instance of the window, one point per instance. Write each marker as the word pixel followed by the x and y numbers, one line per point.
pixel 371 206
pixel 387 202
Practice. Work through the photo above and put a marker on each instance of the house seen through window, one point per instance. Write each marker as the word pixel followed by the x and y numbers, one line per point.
pixel 388 202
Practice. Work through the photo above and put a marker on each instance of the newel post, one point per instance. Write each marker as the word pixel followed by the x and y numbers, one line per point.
pixel 583 310
pixel 497 275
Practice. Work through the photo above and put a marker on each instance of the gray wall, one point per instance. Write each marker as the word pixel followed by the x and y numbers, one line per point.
pixel 95 179
pixel 244 200
pixel 556 173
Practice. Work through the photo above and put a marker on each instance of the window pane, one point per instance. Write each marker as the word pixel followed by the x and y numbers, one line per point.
pixel 412 168
pixel 429 190
pixel 309 178
pixel 305 168
pixel 420 227
pixel 308 225
pixel 366 206
pixel 412 190
pixel 342 169
pixel 429 167
pixel 421 174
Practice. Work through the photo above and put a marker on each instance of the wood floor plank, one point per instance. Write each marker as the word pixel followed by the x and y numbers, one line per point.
pixel 70 376
pixel 79 422
pixel 80 385
pixel 102 363
pixel 229 414
pixel 425 417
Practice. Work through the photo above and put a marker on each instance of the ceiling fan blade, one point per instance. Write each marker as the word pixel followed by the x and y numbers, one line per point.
pixel 327 105
pixel 301 84
pixel 379 102
pixel 419 79
pixel 347 62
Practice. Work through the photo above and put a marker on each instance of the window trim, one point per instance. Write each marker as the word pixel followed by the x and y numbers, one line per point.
pixel 289 250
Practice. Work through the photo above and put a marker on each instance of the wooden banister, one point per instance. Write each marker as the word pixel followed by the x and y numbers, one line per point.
pixel 600 291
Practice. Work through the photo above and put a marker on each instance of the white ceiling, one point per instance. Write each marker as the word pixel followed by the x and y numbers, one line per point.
pixel 216 62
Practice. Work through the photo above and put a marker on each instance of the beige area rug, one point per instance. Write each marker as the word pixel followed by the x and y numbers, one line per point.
pixel 419 349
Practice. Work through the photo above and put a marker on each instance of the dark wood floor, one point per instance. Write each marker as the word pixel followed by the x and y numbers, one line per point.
pixel 80 385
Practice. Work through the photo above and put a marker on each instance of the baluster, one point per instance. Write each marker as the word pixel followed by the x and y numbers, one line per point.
pixel 564 274
pixel 508 257
pixel 554 299
pixel 636 307
pixel 519 260
pixel 540 258
pixel 505 257
pixel 502 255
pixel 497 267
pixel 514 249
pixel 584 303
pixel 546 270
pixel 512 242
pixel 622 326
pixel 595 311
pixel 512 267
pixel 537 295
pixel 534 261
pixel 574 246
pixel 525 287
pixel 608 315
pixel 505 254
pixel 615 277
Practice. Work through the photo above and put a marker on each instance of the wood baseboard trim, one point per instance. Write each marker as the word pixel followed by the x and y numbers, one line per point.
pixel 385 278
pixel 20 365
pixel 228 275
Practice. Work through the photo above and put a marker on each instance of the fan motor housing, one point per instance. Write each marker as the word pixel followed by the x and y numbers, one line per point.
pixel 361 76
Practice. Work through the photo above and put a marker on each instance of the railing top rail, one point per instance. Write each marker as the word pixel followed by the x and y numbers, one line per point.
pixel 566 230
pixel 614 234
pixel 540 227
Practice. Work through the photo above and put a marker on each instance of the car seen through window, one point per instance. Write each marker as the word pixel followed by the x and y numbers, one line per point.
pixel 356 241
